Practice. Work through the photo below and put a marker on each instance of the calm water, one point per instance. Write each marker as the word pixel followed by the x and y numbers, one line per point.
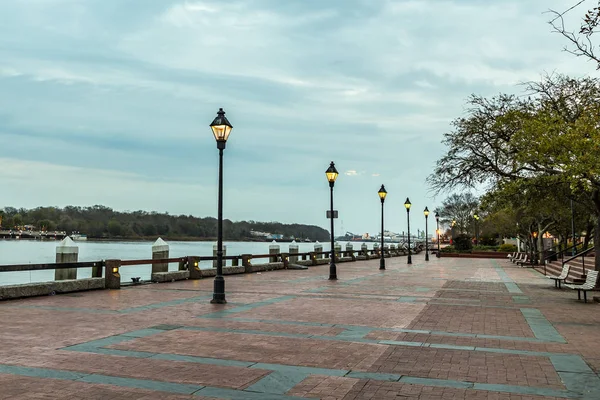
pixel 37 252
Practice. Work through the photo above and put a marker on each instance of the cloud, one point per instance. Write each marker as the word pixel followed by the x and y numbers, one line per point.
pixel 98 95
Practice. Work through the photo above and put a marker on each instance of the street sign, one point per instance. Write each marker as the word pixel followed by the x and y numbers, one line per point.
pixel 335 214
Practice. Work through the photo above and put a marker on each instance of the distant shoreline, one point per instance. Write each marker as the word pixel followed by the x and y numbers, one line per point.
pixel 154 238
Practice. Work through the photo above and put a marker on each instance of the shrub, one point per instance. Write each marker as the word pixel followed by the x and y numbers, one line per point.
pixel 463 243
pixel 507 247
pixel 447 249
pixel 488 241
pixel 485 248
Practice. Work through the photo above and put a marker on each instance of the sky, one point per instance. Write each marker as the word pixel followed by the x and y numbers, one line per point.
pixel 109 101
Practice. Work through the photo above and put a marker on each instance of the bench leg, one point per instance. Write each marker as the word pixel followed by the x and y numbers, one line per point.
pixel 578 294
pixel 585 296
pixel 559 283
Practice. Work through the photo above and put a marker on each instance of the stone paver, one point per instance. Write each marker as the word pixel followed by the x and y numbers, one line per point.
pixel 446 329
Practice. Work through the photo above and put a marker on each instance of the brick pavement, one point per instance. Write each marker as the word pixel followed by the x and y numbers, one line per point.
pixel 446 329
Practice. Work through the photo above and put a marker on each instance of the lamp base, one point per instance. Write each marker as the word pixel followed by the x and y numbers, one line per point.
pixel 219 291
pixel 332 272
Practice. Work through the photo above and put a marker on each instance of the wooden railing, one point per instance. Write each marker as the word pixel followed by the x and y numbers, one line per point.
pixel 188 268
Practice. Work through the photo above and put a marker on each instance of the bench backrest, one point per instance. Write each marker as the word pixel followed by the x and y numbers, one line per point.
pixel 565 272
pixel 590 280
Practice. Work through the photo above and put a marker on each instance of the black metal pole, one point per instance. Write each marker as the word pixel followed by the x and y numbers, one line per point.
pixel 219 285
pixel 382 260
pixel 437 221
pixel 426 240
pixel 573 227
pixel 332 269
pixel 409 261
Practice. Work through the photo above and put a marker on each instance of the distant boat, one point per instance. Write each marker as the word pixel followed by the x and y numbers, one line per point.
pixel 78 237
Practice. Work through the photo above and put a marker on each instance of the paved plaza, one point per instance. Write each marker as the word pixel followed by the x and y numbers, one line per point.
pixel 445 329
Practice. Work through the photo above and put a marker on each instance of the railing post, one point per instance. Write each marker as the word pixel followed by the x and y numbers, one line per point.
pixel 112 278
pixel 273 251
pixel 246 262
pixel 193 265
pixel 350 250
pixel 285 258
pixel 365 250
pixel 235 262
pixel 313 258
pixel 160 250
pixel 293 249
pixel 338 250
pixel 66 252
pixel 319 249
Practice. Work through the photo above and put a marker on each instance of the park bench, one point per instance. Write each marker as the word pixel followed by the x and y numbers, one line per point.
pixel 562 277
pixel 589 284
pixel 519 257
pixel 523 261
pixel 513 256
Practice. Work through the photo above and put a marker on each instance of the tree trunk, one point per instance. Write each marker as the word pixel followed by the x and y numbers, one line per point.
pixel 589 231
pixel 596 199
pixel 597 245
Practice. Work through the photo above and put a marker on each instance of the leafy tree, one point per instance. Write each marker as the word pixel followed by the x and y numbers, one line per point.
pixel 514 145
pixel 17 220
pixel 463 243
pixel 460 208
pixel 114 228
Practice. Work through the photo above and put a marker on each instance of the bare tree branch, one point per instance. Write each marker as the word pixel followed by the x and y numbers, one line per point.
pixel 581 46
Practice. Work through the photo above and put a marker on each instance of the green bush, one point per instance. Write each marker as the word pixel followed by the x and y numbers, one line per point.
pixel 487 241
pixel 447 249
pixel 485 248
pixel 463 243
pixel 507 247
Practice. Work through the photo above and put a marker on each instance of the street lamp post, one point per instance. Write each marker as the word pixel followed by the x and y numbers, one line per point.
pixel 534 247
pixel 382 193
pixel 426 213
pixel 453 224
pixel 407 205
pixel 332 175
pixel 437 222
pixel 221 129
pixel 476 217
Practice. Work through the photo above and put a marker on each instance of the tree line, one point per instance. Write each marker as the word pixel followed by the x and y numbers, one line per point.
pixel 103 222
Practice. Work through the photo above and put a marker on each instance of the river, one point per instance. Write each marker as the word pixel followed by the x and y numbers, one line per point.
pixel 37 252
